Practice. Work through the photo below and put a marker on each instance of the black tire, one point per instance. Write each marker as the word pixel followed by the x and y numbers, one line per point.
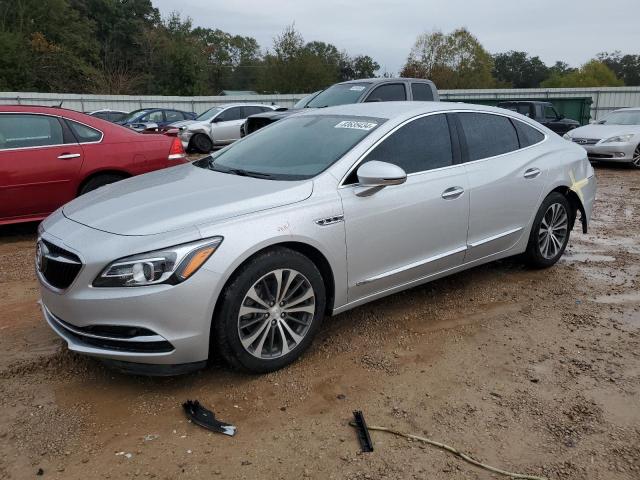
pixel 201 143
pixel 635 162
pixel 100 181
pixel 226 332
pixel 534 255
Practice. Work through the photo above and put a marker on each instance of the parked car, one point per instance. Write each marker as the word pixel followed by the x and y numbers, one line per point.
pixel 354 91
pixel 304 101
pixel 217 126
pixel 245 251
pixel 615 138
pixel 544 113
pixel 160 117
pixel 109 115
pixel 49 156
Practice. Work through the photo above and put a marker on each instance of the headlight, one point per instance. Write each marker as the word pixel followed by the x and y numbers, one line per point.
pixel 566 136
pixel 171 265
pixel 619 138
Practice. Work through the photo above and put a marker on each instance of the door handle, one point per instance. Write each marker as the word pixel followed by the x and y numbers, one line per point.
pixel 453 192
pixel 67 156
pixel 532 173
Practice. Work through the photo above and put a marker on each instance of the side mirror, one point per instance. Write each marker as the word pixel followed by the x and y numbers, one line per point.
pixel 373 176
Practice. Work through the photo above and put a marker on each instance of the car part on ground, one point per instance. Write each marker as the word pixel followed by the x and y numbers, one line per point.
pixel 615 138
pixel 48 156
pixel 353 91
pixel 206 418
pixel 293 204
pixel 366 445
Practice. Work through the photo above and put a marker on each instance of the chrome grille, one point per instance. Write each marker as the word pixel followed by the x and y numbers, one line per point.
pixel 585 141
pixel 58 266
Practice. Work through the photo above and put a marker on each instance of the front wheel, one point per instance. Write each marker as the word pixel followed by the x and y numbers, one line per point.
pixel 270 311
pixel 636 157
pixel 550 232
pixel 202 143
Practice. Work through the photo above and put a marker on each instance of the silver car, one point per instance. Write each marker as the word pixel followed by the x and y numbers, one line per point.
pixel 217 126
pixel 615 138
pixel 244 252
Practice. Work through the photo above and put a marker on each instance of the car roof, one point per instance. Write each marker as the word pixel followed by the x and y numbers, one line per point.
pixel 242 104
pixel 390 110
pixel 385 80
pixel 626 109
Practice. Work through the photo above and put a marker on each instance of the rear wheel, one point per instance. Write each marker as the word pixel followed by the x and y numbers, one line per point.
pixel 202 143
pixel 100 181
pixel 270 311
pixel 550 232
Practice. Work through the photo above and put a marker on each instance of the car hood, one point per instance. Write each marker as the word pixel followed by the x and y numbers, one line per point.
pixel 603 131
pixel 183 123
pixel 180 197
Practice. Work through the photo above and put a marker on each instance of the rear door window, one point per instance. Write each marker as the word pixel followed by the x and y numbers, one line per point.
pixel 174 116
pixel 234 113
pixel 527 134
pixel 252 110
pixel 84 133
pixel 388 93
pixel 157 116
pixel 488 135
pixel 421 92
pixel 21 131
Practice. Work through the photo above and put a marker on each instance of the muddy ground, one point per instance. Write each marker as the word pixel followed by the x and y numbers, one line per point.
pixel 531 371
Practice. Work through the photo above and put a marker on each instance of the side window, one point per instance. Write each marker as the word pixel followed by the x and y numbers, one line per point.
pixel 234 113
pixel 83 133
pixel 155 116
pixel 20 131
pixel 266 109
pixel 252 110
pixel 524 109
pixel 550 113
pixel 539 112
pixel 488 135
pixel 388 93
pixel 423 144
pixel 173 116
pixel 421 92
pixel 527 135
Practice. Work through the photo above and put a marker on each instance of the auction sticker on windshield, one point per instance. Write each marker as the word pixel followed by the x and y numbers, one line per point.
pixel 357 88
pixel 356 125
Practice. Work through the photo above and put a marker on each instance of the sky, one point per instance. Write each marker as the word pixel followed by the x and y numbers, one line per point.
pixel 568 30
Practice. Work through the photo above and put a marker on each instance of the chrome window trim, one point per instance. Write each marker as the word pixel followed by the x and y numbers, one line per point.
pixel 59 144
pixel 439 112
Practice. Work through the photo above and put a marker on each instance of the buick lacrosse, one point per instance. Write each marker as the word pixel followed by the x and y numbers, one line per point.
pixel 245 251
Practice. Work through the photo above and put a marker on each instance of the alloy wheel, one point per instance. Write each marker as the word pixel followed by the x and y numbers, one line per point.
pixel 636 157
pixel 553 231
pixel 276 313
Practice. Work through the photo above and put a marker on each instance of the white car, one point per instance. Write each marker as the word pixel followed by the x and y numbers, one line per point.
pixel 217 126
pixel 615 138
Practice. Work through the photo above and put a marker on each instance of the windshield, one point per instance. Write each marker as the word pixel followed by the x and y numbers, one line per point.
pixel 135 114
pixel 295 148
pixel 339 94
pixel 305 100
pixel 209 114
pixel 622 117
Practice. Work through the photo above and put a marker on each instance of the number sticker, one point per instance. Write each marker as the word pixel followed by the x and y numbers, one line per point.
pixel 356 125
pixel 357 88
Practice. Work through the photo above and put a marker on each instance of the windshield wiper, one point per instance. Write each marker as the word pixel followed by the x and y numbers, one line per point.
pixel 246 173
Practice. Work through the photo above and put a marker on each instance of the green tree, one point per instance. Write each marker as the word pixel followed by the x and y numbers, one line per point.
pixel 454 60
pixel 519 70
pixel 626 67
pixel 591 74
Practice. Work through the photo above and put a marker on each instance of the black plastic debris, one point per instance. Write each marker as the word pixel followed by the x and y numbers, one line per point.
pixel 206 418
pixel 363 432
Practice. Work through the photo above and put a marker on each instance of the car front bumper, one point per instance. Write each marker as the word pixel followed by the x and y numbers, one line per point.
pixel 185 138
pixel 162 325
pixel 611 152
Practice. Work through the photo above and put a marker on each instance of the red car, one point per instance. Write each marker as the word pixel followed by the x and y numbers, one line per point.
pixel 48 156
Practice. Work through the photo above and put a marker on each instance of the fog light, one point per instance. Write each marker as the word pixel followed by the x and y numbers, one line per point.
pixel 619 154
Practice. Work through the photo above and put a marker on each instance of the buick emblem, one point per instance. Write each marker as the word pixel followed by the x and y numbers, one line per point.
pixel 582 141
pixel 41 256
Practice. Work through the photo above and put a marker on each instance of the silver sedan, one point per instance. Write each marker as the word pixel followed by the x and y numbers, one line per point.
pixel 244 252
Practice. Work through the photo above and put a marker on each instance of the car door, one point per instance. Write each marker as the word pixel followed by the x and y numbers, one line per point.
pixel 505 180
pixel 173 116
pixel 226 126
pixel 39 161
pixel 388 92
pixel 411 231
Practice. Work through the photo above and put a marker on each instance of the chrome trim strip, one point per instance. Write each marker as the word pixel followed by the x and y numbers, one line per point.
pixel 80 333
pixel 439 112
pixel 419 263
pixel 323 222
pixel 494 237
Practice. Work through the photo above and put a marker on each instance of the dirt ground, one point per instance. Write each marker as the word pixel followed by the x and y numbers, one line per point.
pixel 532 371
